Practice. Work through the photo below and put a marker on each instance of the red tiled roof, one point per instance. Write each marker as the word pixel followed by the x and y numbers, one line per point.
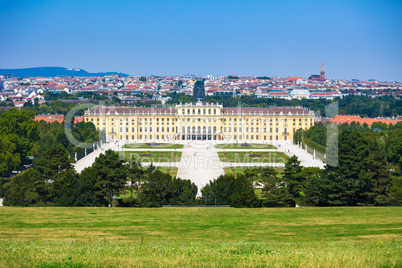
pixel 50 118
pixel 340 119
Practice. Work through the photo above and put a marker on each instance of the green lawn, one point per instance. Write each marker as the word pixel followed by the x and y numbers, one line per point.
pixel 246 146
pixel 169 170
pixel 253 157
pixel 201 237
pixel 235 170
pixel 258 192
pixel 153 156
pixel 153 145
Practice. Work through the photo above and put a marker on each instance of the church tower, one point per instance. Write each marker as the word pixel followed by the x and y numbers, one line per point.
pixel 322 73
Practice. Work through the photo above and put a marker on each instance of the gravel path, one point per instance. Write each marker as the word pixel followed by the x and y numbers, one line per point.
pixel 200 163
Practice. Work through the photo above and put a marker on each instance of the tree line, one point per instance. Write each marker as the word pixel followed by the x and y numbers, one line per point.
pixel 388 138
pixel 53 182
pixel 361 178
pixel 23 139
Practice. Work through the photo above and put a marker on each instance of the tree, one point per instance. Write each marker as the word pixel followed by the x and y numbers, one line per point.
pixel 50 169
pixel 396 192
pixel 244 195
pixel 89 195
pixel 64 189
pixel 293 179
pixel 21 131
pixel 361 178
pixel 229 190
pixel 136 175
pixel 275 191
pixel 111 174
pixel 310 195
pixel 184 192
pixel 394 148
pixel 161 189
pixel 20 191
pixel 8 159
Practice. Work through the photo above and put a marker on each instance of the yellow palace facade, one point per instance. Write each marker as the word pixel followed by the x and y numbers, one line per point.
pixel 199 121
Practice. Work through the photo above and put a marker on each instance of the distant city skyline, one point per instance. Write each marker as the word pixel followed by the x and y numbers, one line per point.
pixel 355 39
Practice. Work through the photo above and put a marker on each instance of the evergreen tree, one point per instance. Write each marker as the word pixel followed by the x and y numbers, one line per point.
pixel 293 179
pixel 48 169
pixel 243 194
pixel 229 190
pixel 136 176
pixel 89 195
pixel 65 191
pixel 275 191
pixel 311 192
pixel 111 174
pixel 161 189
pixel 396 192
pixel 20 191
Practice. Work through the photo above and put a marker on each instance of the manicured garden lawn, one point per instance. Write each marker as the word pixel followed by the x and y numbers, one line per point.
pixel 235 170
pixel 253 157
pixel 153 146
pixel 258 192
pixel 169 170
pixel 188 237
pixel 246 146
pixel 153 156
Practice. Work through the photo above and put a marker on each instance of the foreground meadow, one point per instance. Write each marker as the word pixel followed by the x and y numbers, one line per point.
pixel 123 237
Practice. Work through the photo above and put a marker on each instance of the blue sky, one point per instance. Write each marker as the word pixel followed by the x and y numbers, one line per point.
pixel 354 39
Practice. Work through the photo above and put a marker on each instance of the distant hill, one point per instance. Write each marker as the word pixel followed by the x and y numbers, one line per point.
pixel 53 71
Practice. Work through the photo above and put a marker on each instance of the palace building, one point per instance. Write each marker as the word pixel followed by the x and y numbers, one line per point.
pixel 199 121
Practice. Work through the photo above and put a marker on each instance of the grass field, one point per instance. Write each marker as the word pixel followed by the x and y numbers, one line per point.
pixel 203 237
pixel 246 146
pixel 153 146
pixel 153 156
pixel 235 170
pixel 169 170
pixel 253 157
